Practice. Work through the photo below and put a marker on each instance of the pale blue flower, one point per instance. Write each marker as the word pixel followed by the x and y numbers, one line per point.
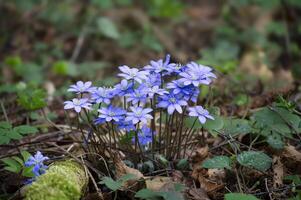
pixel 77 104
pixel 139 114
pixel 36 162
pixel 197 74
pixel 200 113
pixel 132 74
pixel 172 102
pixel 111 113
pixel 80 87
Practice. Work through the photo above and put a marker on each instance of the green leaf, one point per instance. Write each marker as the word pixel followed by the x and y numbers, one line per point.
pixel 110 183
pixel 27 172
pixel 126 177
pixel 217 162
pixel 32 99
pixel 275 141
pixel 107 28
pixel 183 164
pixel 14 135
pixel 64 68
pixel 236 126
pixel 4 139
pixel 25 129
pixel 19 160
pixel 151 195
pixel 161 159
pixel 12 165
pixel 239 196
pixel 146 194
pixel 255 159
pixel 5 125
pixel 241 99
pixel 26 155
pixel 214 125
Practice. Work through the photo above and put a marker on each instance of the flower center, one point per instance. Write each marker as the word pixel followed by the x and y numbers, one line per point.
pixel 172 100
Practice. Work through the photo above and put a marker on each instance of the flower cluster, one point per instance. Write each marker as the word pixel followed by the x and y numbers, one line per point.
pixel 159 86
pixel 37 162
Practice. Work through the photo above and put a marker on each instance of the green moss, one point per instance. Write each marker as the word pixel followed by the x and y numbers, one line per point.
pixel 63 180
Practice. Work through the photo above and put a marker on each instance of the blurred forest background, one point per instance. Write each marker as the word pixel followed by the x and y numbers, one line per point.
pixel 254 45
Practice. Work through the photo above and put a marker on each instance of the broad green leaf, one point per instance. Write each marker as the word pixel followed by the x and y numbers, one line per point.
pixel 32 99
pixel 217 162
pixel 148 166
pixel 26 155
pixel 27 172
pixel 12 165
pixel 255 159
pixel 275 141
pixel 14 135
pixel 5 125
pixel 214 125
pixel 146 194
pixel 110 183
pixel 239 196
pixel 161 159
pixel 237 126
pixel 19 160
pixel 25 129
pixel 241 99
pixel 107 28
pixel 151 195
pixel 183 164
pixel 126 177
pixel 4 139
pixel 295 178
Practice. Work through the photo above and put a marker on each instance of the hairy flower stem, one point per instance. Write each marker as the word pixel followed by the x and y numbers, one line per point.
pixel 110 137
pixel 180 133
pixel 170 134
pixel 114 136
pixel 137 143
pixel 166 135
pixel 188 135
pixel 153 145
pixel 160 131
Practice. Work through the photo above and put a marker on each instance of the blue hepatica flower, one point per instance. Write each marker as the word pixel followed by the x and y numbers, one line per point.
pixel 155 90
pixel 200 113
pixel 172 102
pixel 139 95
pixel 81 87
pixel 178 68
pixel 139 114
pixel 144 136
pixel 159 66
pixel 125 125
pixel 189 92
pixel 77 104
pixel 132 74
pixel 36 162
pixel 153 79
pixel 124 87
pixel 102 95
pixel 196 74
pixel 111 113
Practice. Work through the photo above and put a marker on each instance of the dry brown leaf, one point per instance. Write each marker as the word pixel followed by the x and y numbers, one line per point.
pixel 156 183
pixel 201 175
pixel 278 172
pixel 200 155
pixel 292 153
pixel 198 194
pixel 122 169
pixel 217 175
